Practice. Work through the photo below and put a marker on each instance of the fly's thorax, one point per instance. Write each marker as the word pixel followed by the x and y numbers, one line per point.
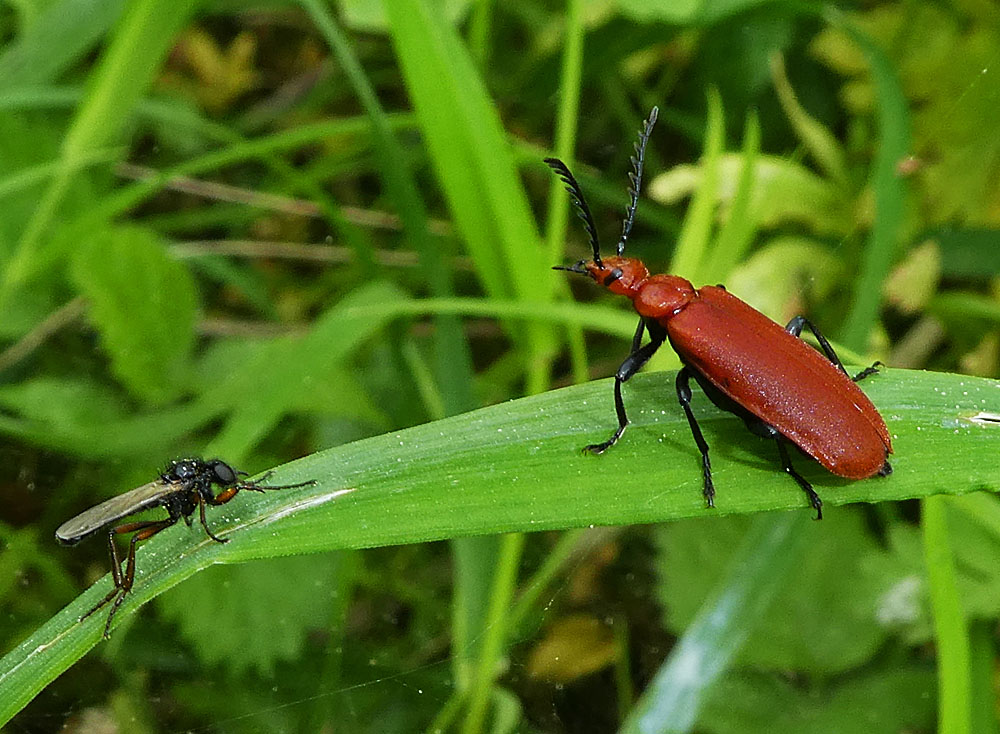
pixel 623 276
pixel 183 470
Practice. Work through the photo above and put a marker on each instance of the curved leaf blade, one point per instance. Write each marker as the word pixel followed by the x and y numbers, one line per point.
pixel 517 466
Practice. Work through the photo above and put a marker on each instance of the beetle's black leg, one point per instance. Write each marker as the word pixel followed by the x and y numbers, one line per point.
pixel 632 364
pixel 786 464
pixel 868 371
pixel 794 328
pixel 684 396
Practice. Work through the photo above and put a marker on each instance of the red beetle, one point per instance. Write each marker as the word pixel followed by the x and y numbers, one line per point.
pixel 745 362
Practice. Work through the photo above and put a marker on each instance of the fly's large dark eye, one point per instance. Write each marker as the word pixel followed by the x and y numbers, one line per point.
pixel 613 276
pixel 224 473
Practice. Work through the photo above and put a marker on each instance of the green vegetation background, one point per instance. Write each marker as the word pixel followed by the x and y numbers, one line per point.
pixel 261 232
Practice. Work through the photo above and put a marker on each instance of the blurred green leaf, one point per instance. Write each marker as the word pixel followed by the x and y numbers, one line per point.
pixel 784 192
pixel 943 57
pixel 894 697
pixel 474 164
pixel 74 404
pixel 685 11
pixel 739 228
pixel 128 63
pixel 968 253
pixel 64 31
pixel 143 303
pixel 914 281
pixel 756 572
pixel 975 541
pixel 786 276
pixel 269 607
pixel 889 190
pixel 690 258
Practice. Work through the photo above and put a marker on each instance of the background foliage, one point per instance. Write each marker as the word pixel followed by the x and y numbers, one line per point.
pixel 259 231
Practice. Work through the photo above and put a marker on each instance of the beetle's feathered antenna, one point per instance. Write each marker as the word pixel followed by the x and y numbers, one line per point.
pixel 582 210
pixel 635 177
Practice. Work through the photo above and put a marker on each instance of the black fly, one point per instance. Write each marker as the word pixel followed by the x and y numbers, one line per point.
pixel 186 485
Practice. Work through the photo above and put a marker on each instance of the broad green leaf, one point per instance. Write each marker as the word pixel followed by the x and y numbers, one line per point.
pixel 517 466
pixel 896 697
pixel 143 303
pixel 80 403
pixel 784 193
pixel 63 32
pixel 786 275
pixel 269 607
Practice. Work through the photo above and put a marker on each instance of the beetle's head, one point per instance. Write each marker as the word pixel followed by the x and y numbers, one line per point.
pixel 620 275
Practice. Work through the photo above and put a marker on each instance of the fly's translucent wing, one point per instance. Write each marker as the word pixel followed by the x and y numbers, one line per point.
pixel 89 521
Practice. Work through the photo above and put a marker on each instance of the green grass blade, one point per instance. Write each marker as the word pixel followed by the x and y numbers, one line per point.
pixel 565 134
pixel 822 144
pixel 950 627
pixel 712 640
pixel 517 466
pixel 126 69
pixel 453 363
pixel 892 117
pixel 494 631
pixel 475 166
pixel 692 244
pixel 982 663
pixel 557 217
pixel 740 228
